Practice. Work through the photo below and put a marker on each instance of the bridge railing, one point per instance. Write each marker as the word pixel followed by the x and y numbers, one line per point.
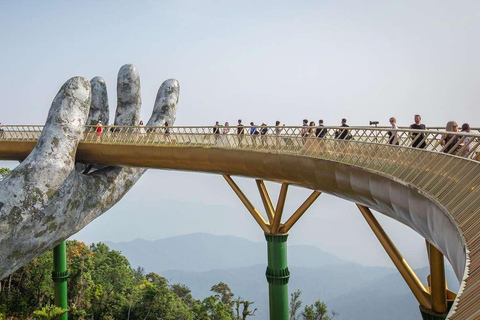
pixel 308 140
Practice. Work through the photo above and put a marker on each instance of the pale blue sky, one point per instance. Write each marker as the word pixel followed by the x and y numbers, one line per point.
pixel 259 61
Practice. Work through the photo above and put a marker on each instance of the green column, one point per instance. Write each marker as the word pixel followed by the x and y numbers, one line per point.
pixel 277 276
pixel 59 276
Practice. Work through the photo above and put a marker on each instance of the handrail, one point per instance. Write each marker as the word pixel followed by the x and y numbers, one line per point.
pixel 287 137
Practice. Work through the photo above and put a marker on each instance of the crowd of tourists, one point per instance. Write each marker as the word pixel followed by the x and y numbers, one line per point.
pixel 451 143
pixel 310 129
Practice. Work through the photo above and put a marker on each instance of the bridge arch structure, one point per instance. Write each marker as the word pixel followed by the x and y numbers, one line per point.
pixel 434 192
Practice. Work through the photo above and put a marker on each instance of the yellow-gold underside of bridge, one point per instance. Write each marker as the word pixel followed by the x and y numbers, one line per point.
pixel 435 194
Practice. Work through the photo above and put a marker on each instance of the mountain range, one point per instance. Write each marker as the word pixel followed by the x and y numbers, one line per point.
pixel 202 260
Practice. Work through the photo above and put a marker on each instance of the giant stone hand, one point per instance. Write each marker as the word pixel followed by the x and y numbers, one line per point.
pixel 48 197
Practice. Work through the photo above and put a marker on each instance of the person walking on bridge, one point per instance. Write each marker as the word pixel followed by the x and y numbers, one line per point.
pixel 140 131
pixel 167 132
pixel 342 133
pixel 226 128
pixel 278 132
pixel 98 130
pixel 225 132
pixel 216 131
pixel 418 138
pixel 392 135
pixel 304 131
pixel 466 140
pixel 321 131
pixel 451 142
pixel 142 127
pixel 263 133
pixel 254 133
pixel 240 132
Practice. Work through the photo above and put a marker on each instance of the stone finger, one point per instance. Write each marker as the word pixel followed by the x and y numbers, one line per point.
pixel 129 100
pixel 165 107
pixel 99 108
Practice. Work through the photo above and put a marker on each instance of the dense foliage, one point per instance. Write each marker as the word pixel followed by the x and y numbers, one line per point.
pixel 103 285
pixel 316 311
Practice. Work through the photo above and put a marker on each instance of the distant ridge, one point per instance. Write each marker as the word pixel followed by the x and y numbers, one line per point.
pixel 204 252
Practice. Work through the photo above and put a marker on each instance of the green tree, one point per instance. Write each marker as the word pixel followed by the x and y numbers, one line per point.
pixel 113 279
pixel 38 277
pixel 214 309
pixel 317 311
pixel 49 313
pixel 184 293
pixel 138 278
pixel 28 288
pixel 308 313
pixel 246 312
pixel 225 293
pixel 154 300
pixel 80 283
pixel 295 304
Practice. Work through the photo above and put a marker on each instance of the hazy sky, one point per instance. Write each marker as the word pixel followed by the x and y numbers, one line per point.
pixel 259 61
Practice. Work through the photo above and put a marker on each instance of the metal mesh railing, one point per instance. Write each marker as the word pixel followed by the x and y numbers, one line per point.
pixel 334 141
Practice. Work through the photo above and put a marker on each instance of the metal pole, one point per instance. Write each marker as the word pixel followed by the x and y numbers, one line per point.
pixel 59 276
pixel 438 284
pixel 277 276
pixel 300 211
pixel 267 201
pixel 279 211
pixel 254 212
pixel 418 290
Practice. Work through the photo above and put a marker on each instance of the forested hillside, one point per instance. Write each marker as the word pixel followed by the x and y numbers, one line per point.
pixel 103 285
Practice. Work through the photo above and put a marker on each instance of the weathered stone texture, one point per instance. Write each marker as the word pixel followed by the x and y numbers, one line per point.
pixel 129 101
pixel 45 200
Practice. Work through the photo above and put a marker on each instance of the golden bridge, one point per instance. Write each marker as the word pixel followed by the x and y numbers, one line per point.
pixel 436 193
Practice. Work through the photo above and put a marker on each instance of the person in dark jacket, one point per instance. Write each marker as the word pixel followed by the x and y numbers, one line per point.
pixel 418 138
pixel 343 133
pixel 320 132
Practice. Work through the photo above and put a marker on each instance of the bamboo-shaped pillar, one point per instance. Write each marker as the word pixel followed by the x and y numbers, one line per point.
pixel 60 276
pixel 277 275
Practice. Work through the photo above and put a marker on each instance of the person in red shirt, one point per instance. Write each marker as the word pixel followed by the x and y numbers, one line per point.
pixel 99 130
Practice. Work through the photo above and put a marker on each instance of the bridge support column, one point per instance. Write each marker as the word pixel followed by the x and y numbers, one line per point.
pixel 418 290
pixel 438 285
pixel 276 235
pixel 59 276
pixel 434 300
pixel 277 276
pixel 428 314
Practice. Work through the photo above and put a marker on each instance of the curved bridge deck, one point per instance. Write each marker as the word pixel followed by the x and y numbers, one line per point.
pixel 435 193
